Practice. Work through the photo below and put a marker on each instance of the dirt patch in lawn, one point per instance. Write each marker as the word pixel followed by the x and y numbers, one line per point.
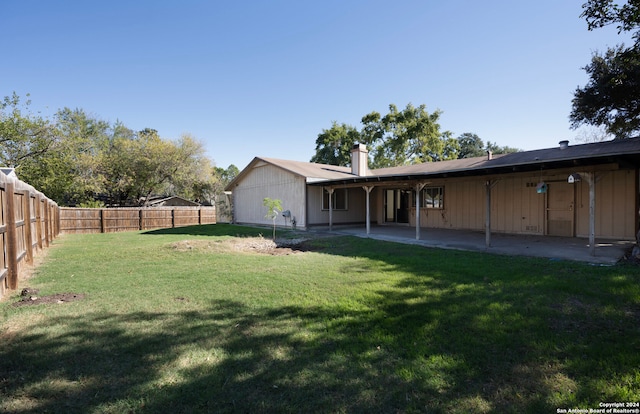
pixel 30 297
pixel 256 245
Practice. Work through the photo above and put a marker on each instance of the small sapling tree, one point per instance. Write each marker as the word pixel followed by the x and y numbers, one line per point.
pixel 274 207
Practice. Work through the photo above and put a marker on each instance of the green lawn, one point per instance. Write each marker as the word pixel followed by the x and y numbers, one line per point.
pixel 354 325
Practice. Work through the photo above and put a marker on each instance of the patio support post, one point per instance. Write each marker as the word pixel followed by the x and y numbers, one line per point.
pixel 419 188
pixel 330 191
pixel 591 179
pixel 487 225
pixel 368 189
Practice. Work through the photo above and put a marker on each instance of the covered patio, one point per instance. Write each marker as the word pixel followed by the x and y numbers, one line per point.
pixel 607 252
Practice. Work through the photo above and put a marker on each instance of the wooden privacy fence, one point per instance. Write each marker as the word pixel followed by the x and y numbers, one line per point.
pixel 29 221
pixel 107 220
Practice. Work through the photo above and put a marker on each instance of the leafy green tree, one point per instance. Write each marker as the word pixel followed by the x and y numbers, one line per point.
pixel 193 179
pixel 611 97
pixel 222 178
pixel 497 149
pixel 155 165
pixel 23 135
pixel 451 149
pixel 470 145
pixel 333 145
pixel 137 166
pixel 403 137
pixel 82 160
pixel 229 174
pixel 84 139
pixel 274 207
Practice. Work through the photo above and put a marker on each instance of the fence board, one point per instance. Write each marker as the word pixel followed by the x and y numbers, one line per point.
pixel 21 234
pixel 107 220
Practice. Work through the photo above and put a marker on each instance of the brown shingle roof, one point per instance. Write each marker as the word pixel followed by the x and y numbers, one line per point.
pixel 311 171
pixel 625 151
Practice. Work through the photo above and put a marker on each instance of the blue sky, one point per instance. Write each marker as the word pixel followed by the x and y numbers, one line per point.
pixel 263 78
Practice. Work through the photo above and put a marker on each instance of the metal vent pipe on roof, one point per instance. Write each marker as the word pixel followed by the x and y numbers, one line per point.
pixel 564 144
pixel 489 155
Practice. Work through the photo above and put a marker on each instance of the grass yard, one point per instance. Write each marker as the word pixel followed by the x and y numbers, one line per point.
pixel 181 321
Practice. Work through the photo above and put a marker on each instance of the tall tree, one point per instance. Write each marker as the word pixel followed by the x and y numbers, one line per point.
pixel 611 98
pixel 23 135
pixel 222 178
pixel 451 148
pixel 155 163
pixel 85 138
pixel 193 179
pixel 470 145
pixel 333 145
pixel 497 149
pixel 403 137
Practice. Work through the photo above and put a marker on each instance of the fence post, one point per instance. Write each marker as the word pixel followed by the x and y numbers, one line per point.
pixel 199 215
pixel 39 220
pixel 173 217
pixel 102 221
pixel 12 236
pixel 46 223
pixel 52 217
pixel 141 218
pixel 57 221
pixel 28 237
pixel 50 221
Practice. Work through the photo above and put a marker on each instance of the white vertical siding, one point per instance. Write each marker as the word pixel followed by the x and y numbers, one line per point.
pixel 266 180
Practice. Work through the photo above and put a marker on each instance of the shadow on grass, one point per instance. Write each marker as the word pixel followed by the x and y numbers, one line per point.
pixel 462 333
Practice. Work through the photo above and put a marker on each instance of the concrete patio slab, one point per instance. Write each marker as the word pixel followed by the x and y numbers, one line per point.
pixel 608 252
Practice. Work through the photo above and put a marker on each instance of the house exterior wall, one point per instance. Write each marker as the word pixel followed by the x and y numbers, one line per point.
pixel 616 205
pixel 464 206
pixel 517 208
pixel 355 212
pixel 266 180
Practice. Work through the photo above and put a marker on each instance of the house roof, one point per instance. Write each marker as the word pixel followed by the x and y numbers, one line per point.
pixel 312 172
pixel 9 172
pixel 157 200
pixel 625 152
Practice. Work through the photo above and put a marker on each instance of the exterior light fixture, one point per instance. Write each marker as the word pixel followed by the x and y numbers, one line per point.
pixel 574 178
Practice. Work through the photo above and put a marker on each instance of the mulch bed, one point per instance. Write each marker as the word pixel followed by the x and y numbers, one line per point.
pixel 30 297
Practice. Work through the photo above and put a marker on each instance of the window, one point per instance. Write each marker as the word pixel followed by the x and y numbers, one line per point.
pixel 338 199
pixel 432 197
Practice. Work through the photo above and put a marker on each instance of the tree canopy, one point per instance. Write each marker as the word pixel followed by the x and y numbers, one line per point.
pixel 408 136
pixel 23 135
pixel 333 145
pixel 611 98
pixel 79 159
pixel 400 137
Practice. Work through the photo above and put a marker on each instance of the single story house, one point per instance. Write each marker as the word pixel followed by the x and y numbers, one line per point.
pixel 588 190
